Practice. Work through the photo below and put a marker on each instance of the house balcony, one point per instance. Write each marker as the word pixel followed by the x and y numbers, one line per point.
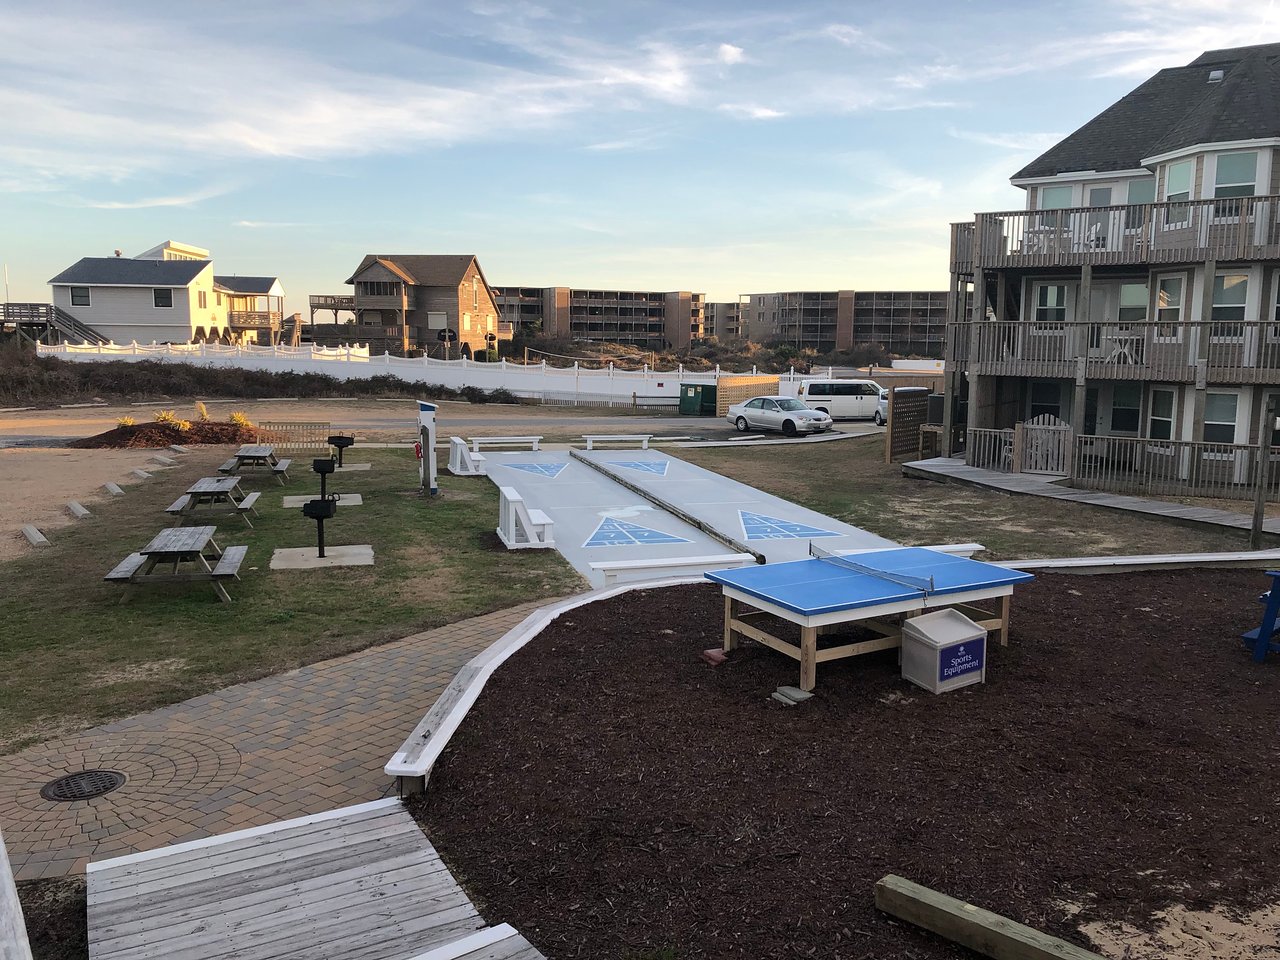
pixel 254 319
pixel 393 302
pixel 1227 230
pixel 1240 352
pixel 332 302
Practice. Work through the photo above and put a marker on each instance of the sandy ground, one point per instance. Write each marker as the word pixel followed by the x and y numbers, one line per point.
pixel 36 483
pixel 1193 935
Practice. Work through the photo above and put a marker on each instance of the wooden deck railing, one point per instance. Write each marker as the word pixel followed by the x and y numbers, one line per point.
pixel 1240 228
pixel 1244 352
pixel 990 449
pixel 1225 471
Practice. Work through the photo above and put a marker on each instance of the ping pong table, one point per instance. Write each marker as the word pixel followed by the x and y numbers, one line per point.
pixel 876 589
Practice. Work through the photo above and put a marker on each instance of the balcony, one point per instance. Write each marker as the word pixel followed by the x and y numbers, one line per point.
pixel 391 302
pixel 1221 353
pixel 332 302
pixel 1243 228
pixel 254 319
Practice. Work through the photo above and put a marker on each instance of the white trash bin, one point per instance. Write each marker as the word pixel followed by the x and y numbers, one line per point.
pixel 944 650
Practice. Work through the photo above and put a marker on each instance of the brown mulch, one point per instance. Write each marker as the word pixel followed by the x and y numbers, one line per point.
pixel 613 796
pixel 163 434
pixel 54 911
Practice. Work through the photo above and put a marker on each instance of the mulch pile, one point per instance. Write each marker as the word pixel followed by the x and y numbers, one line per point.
pixel 613 796
pixel 163 434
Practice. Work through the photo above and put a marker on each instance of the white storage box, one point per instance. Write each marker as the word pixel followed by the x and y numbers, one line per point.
pixel 944 650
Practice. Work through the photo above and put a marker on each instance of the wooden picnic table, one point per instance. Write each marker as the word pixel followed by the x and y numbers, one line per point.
pixel 212 496
pixel 192 549
pixel 257 456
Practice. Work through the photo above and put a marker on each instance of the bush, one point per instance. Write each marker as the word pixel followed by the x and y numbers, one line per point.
pixel 502 395
pixel 166 416
pixel 125 421
pixel 202 412
pixel 238 419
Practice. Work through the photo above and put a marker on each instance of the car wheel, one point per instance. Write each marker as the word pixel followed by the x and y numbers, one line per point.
pixel 741 424
pixel 789 428
pixel 877 419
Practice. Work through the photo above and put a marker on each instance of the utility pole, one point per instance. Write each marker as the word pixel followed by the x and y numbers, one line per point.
pixel 1262 473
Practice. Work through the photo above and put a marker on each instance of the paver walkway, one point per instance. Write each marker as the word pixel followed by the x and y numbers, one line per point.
pixel 286 746
pixel 956 470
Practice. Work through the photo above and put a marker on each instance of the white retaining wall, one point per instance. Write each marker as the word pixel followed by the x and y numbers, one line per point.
pixel 537 381
pixel 13 933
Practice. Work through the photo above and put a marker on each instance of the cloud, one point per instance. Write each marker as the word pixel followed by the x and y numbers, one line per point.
pixel 728 53
pixel 634 143
pixel 850 36
pixel 267 224
pixel 751 111
pixel 1016 142
pixel 185 200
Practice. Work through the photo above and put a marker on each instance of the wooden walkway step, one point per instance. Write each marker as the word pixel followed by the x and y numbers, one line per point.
pixel 358 883
pixel 953 470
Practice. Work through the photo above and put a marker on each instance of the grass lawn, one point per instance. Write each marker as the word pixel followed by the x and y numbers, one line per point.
pixel 849 480
pixel 73 657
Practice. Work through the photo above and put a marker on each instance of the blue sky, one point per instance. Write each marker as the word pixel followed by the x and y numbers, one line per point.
pixel 726 147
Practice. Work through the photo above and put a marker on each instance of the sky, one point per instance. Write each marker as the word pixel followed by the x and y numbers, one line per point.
pixel 721 146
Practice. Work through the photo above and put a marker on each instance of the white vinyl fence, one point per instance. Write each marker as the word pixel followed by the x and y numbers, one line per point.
pixel 574 385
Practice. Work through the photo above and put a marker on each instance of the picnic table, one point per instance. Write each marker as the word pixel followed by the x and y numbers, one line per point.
pixel 257 456
pixel 190 554
pixel 212 496
pixel 874 589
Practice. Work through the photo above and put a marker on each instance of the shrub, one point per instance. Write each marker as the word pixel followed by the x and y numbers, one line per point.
pixel 166 416
pixel 202 412
pixel 238 419
pixel 125 421
pixel 502 395
pixel 474 394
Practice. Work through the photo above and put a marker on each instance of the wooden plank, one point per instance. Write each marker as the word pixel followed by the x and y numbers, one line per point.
pixel 861 647
pixel 768 639
pixel 988 933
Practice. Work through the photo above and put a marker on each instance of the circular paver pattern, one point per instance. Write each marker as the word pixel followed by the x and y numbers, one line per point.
pixel 168 774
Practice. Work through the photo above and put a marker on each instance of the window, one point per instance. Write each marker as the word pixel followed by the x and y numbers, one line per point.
pixel 1160 422
pixel 755 404
pixel 475 292
pixel 1220 417
pixel 1140 192
pixel 162 296
pixel 1046 397
pixel 80 296
pixel 769 405
pixel 1169 308
pixel 1051 306
pixel 1055 198
pixel 1230 290
pixel 1236 175
pixel 378 288
pixel 1177 190
pixel 1126 407
pixel 819 389
pixel 202 297
pixel 219 300
pixel 1133 304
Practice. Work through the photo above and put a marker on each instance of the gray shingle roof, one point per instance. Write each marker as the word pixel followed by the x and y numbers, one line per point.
pixel 259 286
pixel 123 271
pixel 424 270
pixel 1176 108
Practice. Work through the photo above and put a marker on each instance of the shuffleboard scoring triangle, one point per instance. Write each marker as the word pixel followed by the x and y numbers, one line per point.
pixel 658 467
pixel 758 526
pixel 622 533
pixel 551 470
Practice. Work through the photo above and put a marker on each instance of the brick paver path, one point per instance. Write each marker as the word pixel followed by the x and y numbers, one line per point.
pixel 286 746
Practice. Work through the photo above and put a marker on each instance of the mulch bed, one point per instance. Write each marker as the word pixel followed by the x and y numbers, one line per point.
pixel 154 435
pixel 613 796
pixel 54 911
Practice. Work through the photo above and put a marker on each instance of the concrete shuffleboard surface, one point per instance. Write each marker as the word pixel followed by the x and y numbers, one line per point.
pixel 596 520
pixel 777 528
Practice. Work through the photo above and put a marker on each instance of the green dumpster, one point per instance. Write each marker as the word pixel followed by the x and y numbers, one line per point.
pixel 698 399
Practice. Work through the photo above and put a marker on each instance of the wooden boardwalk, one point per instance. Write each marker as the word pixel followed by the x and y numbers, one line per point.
pixel 359 883
pixel 956 471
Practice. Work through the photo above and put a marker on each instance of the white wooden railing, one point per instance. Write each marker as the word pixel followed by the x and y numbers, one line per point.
pixel 1225 471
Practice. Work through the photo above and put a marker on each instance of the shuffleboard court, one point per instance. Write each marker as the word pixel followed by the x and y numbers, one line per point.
pixel 596 519
pixel 770 525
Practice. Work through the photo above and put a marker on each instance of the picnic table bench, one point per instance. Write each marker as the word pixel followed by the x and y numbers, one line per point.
pixel 191 548
pixel 214 496
pixel 478 442
pixel 463 462
pixel 594 438
pixel 253 456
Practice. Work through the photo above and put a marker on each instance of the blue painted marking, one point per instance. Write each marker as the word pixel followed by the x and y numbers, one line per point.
pixel 620 533
pixel 961 658
pixel 756 526
pixel 551 470
pixel 644 466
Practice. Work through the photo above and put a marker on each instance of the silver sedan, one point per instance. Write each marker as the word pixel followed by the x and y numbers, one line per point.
pixel 777 413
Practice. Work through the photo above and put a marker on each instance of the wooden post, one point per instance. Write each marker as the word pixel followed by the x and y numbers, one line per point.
pixel 808 658
pixel 1006 607
pixel 1262 469
pixel 963 923
pixel 730 635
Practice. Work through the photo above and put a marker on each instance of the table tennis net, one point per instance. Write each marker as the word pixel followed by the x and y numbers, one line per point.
pixel 902 579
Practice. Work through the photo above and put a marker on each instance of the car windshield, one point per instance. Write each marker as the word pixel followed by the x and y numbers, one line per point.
pixel 789 404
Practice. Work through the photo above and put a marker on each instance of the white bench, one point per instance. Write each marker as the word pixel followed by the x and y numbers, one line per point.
pixel 615 570
pixel 464 463
pixel 478 442
pixel 640 438
pixel 520 528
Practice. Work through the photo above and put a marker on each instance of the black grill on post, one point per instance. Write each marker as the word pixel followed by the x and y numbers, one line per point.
pixel 326 508
pixel 340 443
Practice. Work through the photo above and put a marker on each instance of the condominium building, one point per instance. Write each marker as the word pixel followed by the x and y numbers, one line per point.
pixel 645 319
pixel 723 320
pixel 904 323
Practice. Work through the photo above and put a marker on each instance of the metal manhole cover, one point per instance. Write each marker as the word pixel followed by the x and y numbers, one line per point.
pixel 84 785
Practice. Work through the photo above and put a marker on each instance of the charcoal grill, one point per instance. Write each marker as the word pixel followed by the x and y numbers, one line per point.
pixel 340 443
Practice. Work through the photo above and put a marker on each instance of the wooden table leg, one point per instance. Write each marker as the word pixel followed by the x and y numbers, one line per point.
pixel 808 658
pixel 1006 606
pixel 730 635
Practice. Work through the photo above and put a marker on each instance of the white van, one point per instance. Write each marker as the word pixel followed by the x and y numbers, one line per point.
pixel 842 399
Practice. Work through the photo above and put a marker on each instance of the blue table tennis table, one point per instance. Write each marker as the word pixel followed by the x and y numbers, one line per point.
pixel 874 588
